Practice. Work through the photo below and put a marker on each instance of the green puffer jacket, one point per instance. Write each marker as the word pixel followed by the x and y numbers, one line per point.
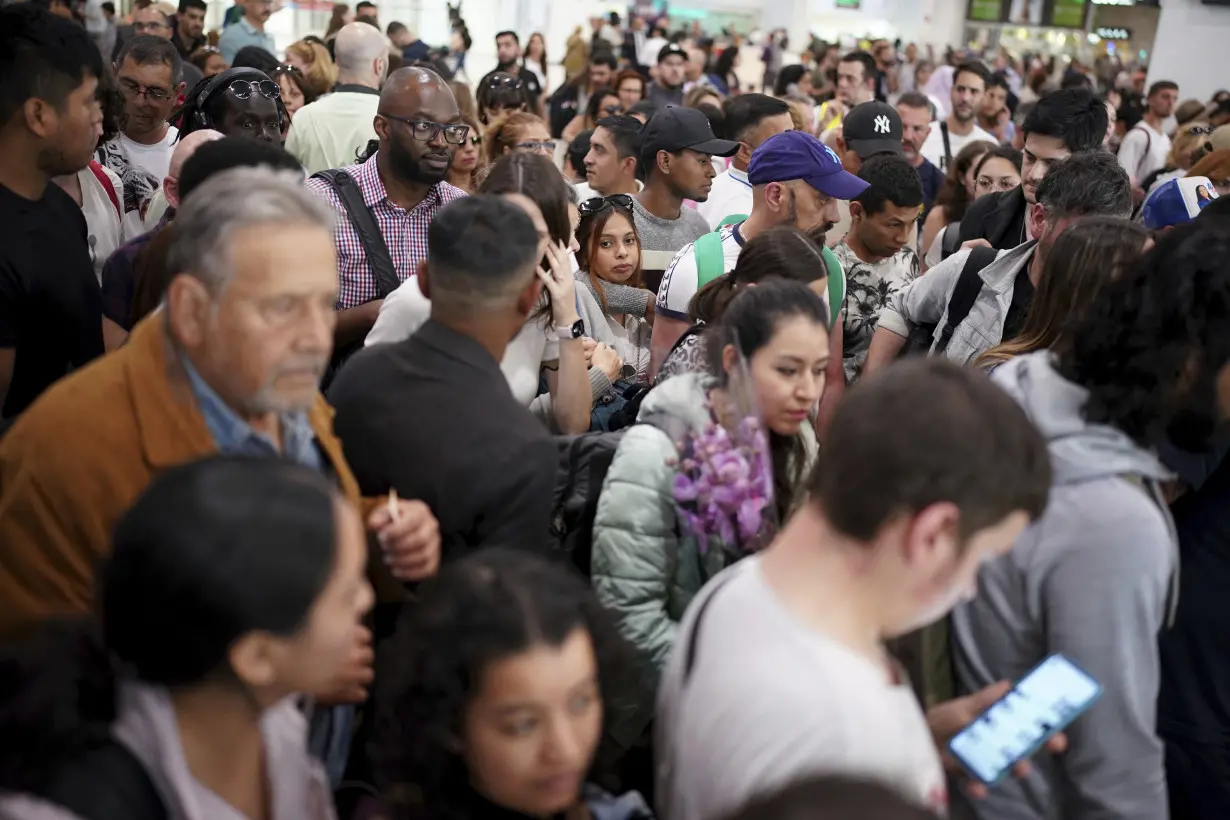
pixel 645 569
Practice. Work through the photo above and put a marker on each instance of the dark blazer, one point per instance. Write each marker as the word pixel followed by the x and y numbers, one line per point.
pixel 997 218
pixel 433 418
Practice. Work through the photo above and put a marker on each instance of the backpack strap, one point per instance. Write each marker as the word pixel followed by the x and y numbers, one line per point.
pixel 947 146
pixel 836 285
pixel 951 242
pixel 969 285
pixel 365 226
pixel 107 782
pixel 1144 157
pixel 733 219
pixel 105 182
pixel 710 261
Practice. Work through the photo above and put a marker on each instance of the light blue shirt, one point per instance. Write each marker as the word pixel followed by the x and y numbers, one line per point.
pixel 243 34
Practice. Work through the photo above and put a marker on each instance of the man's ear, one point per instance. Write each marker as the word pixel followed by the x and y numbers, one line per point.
pixel 1037 220
pixel 627 165
pixel 856 210
pixel 663 160
pixel 745 153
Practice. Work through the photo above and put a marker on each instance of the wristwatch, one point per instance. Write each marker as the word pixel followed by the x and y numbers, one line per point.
pixel 574 331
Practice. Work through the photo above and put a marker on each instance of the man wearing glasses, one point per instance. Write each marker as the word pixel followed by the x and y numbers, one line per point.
pixel 150 20
pixel 419 127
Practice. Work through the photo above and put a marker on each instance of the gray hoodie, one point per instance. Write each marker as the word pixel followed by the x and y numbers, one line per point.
pixel 1095 579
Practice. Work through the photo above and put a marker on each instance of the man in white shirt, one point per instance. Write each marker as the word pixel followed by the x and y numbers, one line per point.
pixel 1145 147
pixel 797 181
pixel 149 74
pixel 750 120
pixel 332 131
pixel 779 671
pixel 610 165
pixel 958 129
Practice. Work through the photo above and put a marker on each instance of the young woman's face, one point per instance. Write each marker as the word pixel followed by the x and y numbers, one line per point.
pixel 788 373
pixel 970 182
pixel 997 175
pixel 535 48
pixel 292 97
pixel 530 732
pixel 922 75
pixel 314 658
pixel 535 139
pixel 618 252
pixel 465 158
pixel 610 106
pixel 631 91
pixel 215 65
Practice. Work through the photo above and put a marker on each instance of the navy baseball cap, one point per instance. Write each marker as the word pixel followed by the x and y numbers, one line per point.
pixel 798 155
pixel 674 128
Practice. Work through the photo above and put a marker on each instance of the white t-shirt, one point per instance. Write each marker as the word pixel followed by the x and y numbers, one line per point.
pixel 933 148
pixel 154 159
pixel 769 702
pixel 1143 151
pixel 679 282
pixel 406 309
pixel 731 194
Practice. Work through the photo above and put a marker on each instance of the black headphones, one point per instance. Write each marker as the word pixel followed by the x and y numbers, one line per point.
pixel 223 80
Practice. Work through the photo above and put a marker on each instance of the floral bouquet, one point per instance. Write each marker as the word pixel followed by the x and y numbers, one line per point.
pixel 724 477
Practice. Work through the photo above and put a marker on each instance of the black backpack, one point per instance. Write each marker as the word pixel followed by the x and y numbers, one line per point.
pixel 969 285
pixel 374 248
pixel 107 782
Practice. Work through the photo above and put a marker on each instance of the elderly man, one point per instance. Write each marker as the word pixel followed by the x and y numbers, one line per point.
pixel 231 363
pixel 330 132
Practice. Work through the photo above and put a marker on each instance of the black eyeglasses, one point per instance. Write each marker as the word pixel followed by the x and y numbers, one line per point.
pixel 475 139
pixel 601 203
pixel 1200 129
pixel 244 89
pixel 135 90
pixel 426 131
pixel 507 81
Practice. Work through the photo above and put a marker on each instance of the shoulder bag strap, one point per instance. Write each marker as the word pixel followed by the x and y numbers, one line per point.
pixel 105 182
pixel 710 261
pixel 365 226
pixel 947 146
pixel 1144 157
pixel 969 285
pixel 689 658
pixel 952 240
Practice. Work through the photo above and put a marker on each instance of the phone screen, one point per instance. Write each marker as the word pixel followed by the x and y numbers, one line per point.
pixel 1042 703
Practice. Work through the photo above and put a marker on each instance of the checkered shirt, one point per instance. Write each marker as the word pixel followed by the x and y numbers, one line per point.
pixel 405 232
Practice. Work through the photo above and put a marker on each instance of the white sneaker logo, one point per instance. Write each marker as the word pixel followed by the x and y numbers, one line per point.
pixel 881 124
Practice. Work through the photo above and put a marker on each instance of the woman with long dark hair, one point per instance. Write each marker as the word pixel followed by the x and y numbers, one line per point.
pixel 956 194
pixel 771 350
pixel 725 71
pixel 234 584
pixel 500 94
pixel 1086 256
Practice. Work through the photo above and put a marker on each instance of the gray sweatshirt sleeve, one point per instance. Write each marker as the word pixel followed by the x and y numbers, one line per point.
pixel 1104 604
pixel 925 300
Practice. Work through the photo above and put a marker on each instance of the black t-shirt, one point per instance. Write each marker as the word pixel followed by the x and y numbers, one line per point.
pixel 1018 310
pixel 50 304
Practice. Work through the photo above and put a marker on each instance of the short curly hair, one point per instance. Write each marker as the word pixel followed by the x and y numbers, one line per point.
pixel 1150 347
pixel 488 606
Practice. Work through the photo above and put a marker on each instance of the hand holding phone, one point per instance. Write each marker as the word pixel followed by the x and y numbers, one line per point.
pixel 1014 727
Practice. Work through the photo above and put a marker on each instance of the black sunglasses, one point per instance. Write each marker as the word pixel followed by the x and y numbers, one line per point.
pixel 507 81
pixel 600 203
pixel 285 68
pixel 1200 129
pixel 244 89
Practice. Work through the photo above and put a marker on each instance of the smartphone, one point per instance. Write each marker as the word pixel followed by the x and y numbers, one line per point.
pixel 1048 698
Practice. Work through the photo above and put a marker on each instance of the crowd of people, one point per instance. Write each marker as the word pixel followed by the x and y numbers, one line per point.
pixel 375 442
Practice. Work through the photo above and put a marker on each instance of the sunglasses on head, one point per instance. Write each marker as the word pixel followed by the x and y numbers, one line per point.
pixel 244 89
pixel 600 203
pixel 285 68
pixel 507 81
pixel 1200 129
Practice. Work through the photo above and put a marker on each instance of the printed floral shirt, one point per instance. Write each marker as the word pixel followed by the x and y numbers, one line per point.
pixel 869 286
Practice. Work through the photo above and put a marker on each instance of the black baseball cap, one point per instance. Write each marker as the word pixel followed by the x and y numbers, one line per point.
pixel 872 128
pixel 671 49
pixel 675 128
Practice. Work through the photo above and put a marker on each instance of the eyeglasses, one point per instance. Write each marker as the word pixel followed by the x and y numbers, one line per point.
pixel 542 146
pixel 135 90
pixel 507 81
pixel 426 131
pixel 476 139
pixel 600 203
pixel 244 89
pixel 1196 130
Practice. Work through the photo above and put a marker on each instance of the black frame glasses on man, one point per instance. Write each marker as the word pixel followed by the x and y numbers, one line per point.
pixel 600 203
pixel 133 89
pixel 426 130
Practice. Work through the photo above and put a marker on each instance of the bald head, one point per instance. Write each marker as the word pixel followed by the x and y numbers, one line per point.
pixel 362 54
pixel 410 87
pixel 417 95
pixel 187 146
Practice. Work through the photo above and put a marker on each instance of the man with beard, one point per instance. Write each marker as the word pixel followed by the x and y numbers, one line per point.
pixel 667 87
pixel 915 113
pixel 796 181
pixel 189 34
pixel 249 31
pixel 50 309
pixel 419 127
pixel 508 53
pixel 969 83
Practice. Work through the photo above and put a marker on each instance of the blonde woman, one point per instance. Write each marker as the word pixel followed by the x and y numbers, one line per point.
pixel 319 72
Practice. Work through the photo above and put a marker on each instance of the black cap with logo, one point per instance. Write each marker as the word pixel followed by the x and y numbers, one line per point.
pixel 872 128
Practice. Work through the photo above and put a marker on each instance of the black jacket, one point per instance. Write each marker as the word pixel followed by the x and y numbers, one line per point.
pixel 997 218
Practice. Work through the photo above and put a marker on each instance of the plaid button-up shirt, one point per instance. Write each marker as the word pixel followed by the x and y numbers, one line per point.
pixel 405 232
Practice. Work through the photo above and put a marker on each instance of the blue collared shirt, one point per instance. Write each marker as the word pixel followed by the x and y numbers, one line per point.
pixel 234 435
pixel 241 34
